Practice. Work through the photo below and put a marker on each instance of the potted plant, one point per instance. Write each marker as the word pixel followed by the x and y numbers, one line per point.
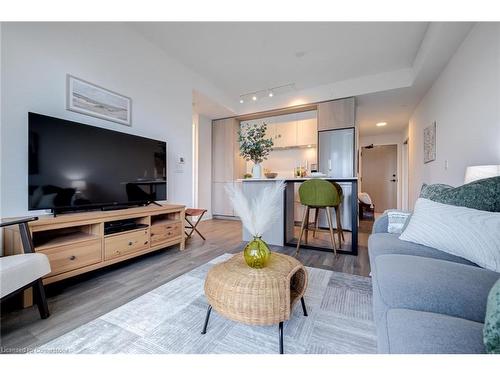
pixel 254 146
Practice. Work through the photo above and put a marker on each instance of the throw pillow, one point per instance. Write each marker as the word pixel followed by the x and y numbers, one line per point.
pixel 461 231
pixel 491 329
pixel 481 194
pixel 396 221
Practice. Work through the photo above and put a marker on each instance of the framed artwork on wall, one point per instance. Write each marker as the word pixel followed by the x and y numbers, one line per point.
pixel 430 143
pixel 92 100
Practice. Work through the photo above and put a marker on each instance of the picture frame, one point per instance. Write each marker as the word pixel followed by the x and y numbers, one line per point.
pixel 89 99
pixel 430 143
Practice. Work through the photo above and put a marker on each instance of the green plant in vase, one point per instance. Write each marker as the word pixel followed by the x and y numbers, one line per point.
pixel 254 146
pixel 256 216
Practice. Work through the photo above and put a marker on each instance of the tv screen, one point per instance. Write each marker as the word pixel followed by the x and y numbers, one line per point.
pixel 72 165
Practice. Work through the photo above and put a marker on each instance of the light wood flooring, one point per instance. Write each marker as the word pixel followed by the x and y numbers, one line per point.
pixel 78 300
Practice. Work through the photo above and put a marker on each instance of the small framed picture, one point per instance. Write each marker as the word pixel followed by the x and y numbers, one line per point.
pixel 430 143
pixel 89 99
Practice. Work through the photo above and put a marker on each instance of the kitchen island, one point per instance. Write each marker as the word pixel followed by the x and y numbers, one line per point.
pixel 284 231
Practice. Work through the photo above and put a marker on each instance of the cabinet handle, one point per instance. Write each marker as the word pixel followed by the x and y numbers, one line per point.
pixel 130 243
pixel 145 243
pixel 72 257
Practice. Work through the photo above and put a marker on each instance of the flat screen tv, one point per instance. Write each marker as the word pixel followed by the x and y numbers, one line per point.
pixel 75 166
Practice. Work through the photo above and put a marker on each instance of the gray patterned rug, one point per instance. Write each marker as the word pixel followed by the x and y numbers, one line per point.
pixel 169 320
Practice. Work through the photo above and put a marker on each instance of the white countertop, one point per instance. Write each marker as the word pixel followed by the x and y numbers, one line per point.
pixel 292 179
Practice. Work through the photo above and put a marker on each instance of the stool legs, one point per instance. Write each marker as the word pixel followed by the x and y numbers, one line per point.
pixel 280 327
pixel 316 221
pixel 340 232
pixel 330 227
pixel 307 224
pixel 209 310
pixel 301 230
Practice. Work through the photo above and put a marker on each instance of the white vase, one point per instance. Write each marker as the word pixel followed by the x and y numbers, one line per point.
pixel 257 171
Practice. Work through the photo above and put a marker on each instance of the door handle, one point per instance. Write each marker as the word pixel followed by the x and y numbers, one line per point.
pixel 393 180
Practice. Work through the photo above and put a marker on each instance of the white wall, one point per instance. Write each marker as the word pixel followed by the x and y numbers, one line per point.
pixel 205 164
pixel 465 102
pixel 387 139
pixel 35 60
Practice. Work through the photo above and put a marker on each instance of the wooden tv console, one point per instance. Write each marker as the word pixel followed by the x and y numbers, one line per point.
pixel 75 243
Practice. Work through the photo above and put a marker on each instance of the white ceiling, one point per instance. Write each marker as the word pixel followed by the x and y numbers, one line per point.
pixel 394 107
pixel 241 57
pixel 388 66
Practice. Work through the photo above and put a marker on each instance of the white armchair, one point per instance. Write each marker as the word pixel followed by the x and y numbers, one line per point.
pixel 22 271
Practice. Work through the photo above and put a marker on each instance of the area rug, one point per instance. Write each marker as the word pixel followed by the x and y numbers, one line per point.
pixel 169 319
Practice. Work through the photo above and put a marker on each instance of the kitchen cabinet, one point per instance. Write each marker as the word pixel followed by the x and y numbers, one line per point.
pixel 336 114
pixel 307 132
pixel 271 133
pixel 227 164
pixel 286 134
pixel 220 202
pixel 293 133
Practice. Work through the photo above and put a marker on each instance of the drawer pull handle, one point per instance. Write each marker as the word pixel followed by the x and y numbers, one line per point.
pixel 72 257
pixel 145 243
pixel 130 243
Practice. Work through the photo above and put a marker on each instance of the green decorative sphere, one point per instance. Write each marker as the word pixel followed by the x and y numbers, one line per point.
pixel 257 253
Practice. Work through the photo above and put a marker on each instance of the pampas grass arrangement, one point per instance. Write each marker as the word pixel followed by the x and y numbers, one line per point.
pixel 259 213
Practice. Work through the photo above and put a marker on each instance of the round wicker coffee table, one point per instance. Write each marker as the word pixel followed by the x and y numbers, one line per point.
pixel 256 296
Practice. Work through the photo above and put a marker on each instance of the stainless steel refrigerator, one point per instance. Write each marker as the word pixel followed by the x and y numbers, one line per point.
pixel 336 159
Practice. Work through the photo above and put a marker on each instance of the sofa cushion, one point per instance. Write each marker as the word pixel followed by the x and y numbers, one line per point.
pixel 492 321
pixel 417 283
pixel 17 271
pixel 460 231
pixel 388 243
pixel 481 194
pixel 398 220
pixel 417 332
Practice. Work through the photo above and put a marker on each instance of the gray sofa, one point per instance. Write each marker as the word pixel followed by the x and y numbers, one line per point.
pixel 425 300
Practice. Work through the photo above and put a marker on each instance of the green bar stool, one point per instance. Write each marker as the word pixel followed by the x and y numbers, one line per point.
pixel 318 194
pixel 340 231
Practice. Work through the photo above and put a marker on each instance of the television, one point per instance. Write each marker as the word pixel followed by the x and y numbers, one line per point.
pixel 73 166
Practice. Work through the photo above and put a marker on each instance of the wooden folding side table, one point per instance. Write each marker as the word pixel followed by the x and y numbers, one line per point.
pixel 190 212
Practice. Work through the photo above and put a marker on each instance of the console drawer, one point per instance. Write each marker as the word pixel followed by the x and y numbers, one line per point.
pixel 70 257
pixel 163 232
pixel 121 244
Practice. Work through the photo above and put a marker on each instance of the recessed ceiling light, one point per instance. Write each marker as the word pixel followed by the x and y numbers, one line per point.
pixel 271 94
pixel 381 124
pixel 241 101
pixel 254 98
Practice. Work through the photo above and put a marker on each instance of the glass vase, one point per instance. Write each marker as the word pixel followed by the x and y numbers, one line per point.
pixel 256 253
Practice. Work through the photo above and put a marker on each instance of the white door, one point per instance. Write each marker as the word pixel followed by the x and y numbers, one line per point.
pixel 379 175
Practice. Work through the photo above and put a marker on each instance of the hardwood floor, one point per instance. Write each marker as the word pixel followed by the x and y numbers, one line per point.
pixel 78 300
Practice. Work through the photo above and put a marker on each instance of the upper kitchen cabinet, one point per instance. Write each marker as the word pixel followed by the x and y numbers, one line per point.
pixel 336 114
pixel 307 132
pixel 286 134
pixel 227 163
